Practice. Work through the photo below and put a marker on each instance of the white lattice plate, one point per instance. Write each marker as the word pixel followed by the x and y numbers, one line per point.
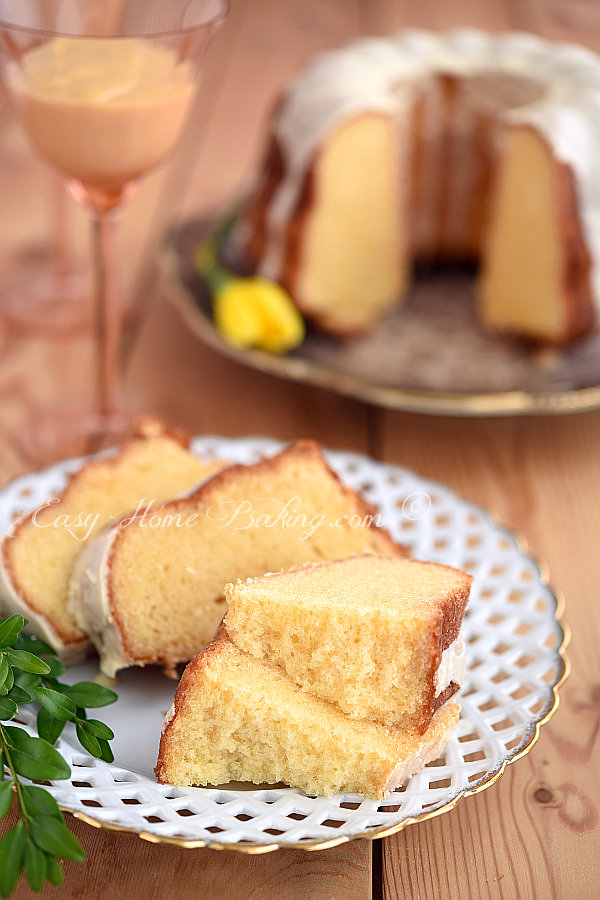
pixel 515 659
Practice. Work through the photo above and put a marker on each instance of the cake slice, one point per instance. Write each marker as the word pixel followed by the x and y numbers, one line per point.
pixel 391 626
pixel 236 718
pixel 536 269
pixel 149 589
pixel 39 550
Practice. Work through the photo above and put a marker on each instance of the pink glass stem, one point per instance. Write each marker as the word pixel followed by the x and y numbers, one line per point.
pixel 61 260
pixel 105 227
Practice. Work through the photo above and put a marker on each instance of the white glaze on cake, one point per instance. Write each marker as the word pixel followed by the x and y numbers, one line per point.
pixel 12 603
pixel 452 667
pixel 380 74
pixel 414 763
pixel 90 604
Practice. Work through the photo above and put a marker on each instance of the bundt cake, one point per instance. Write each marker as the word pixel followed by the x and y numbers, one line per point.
pixel 391 626
pixel 39 550
pixel 435 146
pixel 149 589
pixel 237 718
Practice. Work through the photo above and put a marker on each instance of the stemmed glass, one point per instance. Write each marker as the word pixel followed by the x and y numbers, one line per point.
pixel 102 90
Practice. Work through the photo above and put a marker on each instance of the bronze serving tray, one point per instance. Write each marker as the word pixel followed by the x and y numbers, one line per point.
pixel 430 355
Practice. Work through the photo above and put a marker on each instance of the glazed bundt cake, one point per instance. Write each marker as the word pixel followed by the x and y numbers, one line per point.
pixel 39 550
pixel 150 589
pixel 391 626
pixel 425 146
pixel 237 718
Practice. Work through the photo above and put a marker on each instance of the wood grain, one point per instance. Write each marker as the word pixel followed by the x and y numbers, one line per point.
pixel 535 833
pixel 522 836
pixel 123 867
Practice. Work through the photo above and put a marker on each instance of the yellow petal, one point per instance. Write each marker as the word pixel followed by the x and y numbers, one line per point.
pixel 260 313
pixel 236 317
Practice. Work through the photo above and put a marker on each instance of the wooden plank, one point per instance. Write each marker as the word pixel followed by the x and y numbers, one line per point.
pixel 383 16
pixel 123 867
pixel 534 833
pixel 174 376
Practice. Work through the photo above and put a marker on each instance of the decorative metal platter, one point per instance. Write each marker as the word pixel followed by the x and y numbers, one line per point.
pixel 515 659
pixel 430 355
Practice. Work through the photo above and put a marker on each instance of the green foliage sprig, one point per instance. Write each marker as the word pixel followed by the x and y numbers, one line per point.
pixel 29 672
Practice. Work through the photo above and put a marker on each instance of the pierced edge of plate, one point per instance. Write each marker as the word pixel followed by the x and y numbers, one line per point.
pixel 255 848
pixel 304 371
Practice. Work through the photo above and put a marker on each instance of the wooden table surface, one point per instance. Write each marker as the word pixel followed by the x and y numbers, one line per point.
pixel 535 833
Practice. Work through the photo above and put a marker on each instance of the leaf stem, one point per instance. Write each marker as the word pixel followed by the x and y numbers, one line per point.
pixel 23 814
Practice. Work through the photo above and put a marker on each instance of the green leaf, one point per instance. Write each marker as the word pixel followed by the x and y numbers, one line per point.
pixel 90 694
pixel 49 728
pixel 56 667
pixel 11 858
pixel 5 797
pixel 54 872
pixel 9 629
pixel 9 680
pixel 54 837
pixel 34 861
pixel 34 757
pixel 22 659
pixel 88 741
pixel 38 802
pixel 8 708
pixel 17 694
pixel 106 753
pixel 58 705
pixel 28 681
pixel 4 674
pixel 98 729
pixel 33 644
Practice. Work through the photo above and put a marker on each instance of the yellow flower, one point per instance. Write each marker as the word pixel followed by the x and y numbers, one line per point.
pixel 256 312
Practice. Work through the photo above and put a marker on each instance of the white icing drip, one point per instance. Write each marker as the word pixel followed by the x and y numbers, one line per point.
pixel 379 74
pixel 11 603
pixel 170 714
pixel 412 764
pixel 89 601
pixel 452 666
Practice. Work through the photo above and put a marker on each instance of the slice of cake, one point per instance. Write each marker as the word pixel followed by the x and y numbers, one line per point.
pixel 236 718
pixel 149 589
pixel 39 550
pixel 392 626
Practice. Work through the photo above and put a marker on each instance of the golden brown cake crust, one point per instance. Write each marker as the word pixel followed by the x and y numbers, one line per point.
pixel 450 618
pixel 186 684
pixel 298 449
pixel 580 315
pixel 450 691
pixel 146 427
pixel 255 215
